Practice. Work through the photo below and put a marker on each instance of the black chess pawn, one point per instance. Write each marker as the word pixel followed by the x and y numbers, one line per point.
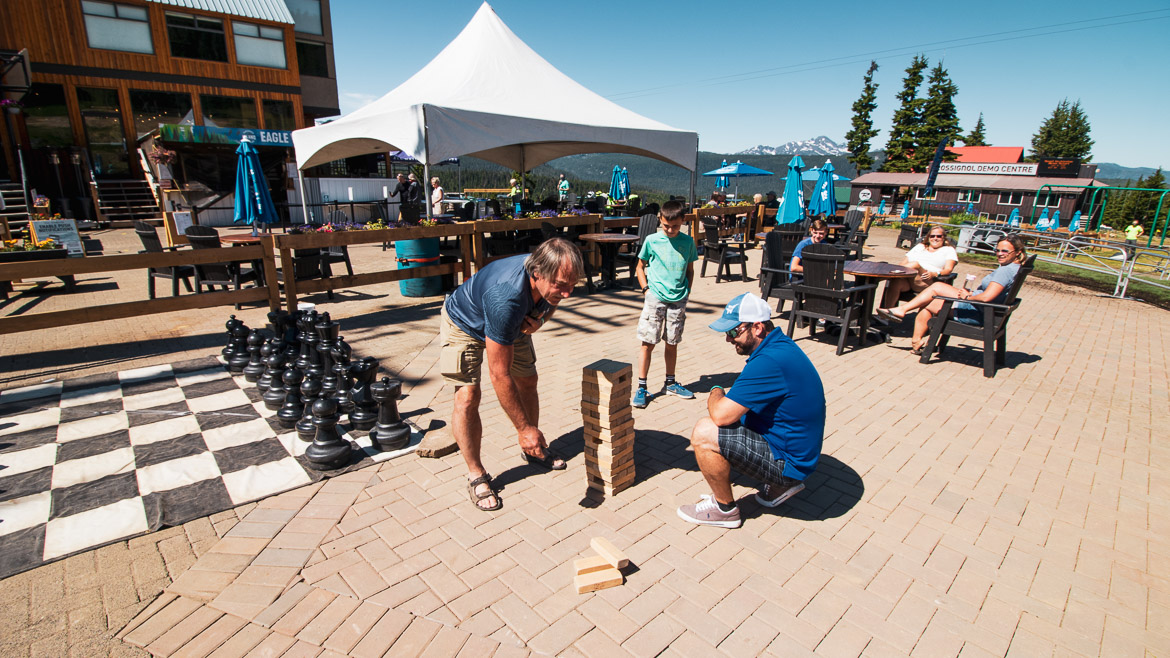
pixel 390 433
pixel 310 390
pixel 343 395
pixel 327 331
pixel 255 367
pixel 329 450
pixel 230 348
pixel 293 406
pixel 272 369
pixel 364 413
pixel 274 396
pixel 239 358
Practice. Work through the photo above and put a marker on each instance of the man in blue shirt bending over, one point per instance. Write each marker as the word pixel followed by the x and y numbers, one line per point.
pixel 770 425
pixel 494 314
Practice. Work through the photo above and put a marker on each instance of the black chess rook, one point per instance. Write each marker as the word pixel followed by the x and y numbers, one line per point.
pixel 390 433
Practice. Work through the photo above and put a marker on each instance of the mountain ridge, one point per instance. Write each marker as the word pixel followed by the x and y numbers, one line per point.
pixel 819 145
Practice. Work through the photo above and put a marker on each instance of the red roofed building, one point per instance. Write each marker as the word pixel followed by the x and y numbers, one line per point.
pixel 988 153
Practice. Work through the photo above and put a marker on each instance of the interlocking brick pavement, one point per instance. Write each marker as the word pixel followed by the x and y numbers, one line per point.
pixel 951 514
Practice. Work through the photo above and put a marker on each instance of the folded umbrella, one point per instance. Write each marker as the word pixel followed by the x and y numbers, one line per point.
pixel 253 203
pixel 823 201
pixel 792 205
pixel 1075 224
pixel 1042 223
pixel 882 207
pixel 1055 224
pixel 1014 218
pixel 906 209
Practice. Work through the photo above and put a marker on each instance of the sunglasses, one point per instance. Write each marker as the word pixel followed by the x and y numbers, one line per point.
pixel 940 237
pixel 1005 251
pixel 735 332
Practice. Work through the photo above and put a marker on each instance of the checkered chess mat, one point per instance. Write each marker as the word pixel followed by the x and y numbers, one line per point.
pixel 90 461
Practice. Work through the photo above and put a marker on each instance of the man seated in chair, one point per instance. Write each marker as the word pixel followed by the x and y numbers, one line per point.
pixel 770 425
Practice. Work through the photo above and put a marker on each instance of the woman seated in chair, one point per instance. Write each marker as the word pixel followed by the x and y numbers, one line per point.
pixel 932 257
pixel 1009 252
pixel 817 231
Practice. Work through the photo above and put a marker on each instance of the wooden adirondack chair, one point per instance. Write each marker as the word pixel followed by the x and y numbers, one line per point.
pixel 823 295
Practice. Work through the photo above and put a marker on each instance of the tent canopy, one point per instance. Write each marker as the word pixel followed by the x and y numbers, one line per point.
pixel 490 96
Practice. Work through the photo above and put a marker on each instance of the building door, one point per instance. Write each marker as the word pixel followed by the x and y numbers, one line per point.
pixel 105 136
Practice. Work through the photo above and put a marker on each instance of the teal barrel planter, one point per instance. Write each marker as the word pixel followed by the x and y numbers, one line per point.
pixel 418 253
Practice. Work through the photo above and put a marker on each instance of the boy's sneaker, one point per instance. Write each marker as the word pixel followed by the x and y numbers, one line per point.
pixel 679 390
pixel 641 396
pixel 772 495
pixel 707 512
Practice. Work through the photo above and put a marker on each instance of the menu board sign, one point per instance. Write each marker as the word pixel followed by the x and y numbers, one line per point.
pixel 1059 167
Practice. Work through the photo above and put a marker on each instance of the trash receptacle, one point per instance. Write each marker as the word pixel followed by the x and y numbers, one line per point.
pixel 418 253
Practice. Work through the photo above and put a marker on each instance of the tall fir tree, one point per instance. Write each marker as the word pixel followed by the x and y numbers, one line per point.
pixel 1064 134
pixel 940 119
pixel 857 139
pixel 977 136
pixel 907 117
pixel 1142 205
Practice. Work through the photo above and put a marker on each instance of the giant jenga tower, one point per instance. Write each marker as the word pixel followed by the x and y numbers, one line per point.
pixel 609 425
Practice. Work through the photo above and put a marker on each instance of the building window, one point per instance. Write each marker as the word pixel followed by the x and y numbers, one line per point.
pixel 1000 218
pixel 196 37
pixel 969 196
pixel 46 117
pixel 259 45
pixel 1011 198
pixel 154 107
pixel 101 115
pixel 307 14
pixel 1047 199
pixel 278 115
pixel 311 59
pixel 228 111
pixel 117 27
pixel 918 194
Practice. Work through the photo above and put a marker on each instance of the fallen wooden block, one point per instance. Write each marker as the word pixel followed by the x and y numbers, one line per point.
pixel 590 564
pixel 591 582
pixel 611 553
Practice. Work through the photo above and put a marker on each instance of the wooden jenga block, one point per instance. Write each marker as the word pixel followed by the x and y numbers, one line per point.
pixel 598 436
pixel 610 460
pixel 593 393
pixel 608 489
pixel 608 370
pixel 590 564
pixel 622 479
pixel 611 553
pixel 591 582
pixel 607 421
pixel 602 410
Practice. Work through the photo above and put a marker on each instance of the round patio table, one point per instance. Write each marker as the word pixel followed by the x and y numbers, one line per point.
pixel 609 244
pixel 240 238
pixel 874 271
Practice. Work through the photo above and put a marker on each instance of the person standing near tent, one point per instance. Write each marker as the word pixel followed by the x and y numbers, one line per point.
pixel 414 192
pixel 436 197
pixel 1132 233
pixel 491 317
pixel 563 189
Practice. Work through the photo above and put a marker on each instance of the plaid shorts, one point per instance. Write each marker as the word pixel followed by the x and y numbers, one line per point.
pixel 662 320
pixel 750 454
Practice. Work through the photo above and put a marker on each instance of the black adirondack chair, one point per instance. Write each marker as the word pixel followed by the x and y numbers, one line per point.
pixel 718 250
pixel 228 275
pixel 152 245
pixel 647 226
pixel 823 295
pixel 775 277
pixel 993 333
pixel 909 233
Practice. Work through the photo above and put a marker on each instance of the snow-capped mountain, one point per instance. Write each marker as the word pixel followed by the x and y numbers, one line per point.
pixel 817 146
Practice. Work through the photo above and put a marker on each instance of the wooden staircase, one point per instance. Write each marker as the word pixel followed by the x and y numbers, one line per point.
pixel 124 201
pixel 14 210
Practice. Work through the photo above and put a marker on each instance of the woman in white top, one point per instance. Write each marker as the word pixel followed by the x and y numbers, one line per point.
pixel 436 197
pixel 932 257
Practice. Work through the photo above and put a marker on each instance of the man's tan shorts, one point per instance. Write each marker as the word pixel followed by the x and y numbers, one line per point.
pixel 461 359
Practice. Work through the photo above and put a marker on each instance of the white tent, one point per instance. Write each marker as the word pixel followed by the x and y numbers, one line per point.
pixel 489 95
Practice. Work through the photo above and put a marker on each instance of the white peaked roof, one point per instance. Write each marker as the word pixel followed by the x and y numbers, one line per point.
pixel 489 95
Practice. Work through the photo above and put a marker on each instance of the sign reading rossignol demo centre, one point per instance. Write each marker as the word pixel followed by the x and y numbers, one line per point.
pixel 989 168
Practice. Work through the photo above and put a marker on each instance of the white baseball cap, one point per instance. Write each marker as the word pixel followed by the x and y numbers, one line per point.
pixel 744 308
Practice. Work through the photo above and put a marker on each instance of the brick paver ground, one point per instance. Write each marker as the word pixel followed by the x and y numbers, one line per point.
pixel 951 515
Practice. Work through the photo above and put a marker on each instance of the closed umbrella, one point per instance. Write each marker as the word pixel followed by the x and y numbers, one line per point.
pixel 1014 218
pixel 1055 220
pixel 615 184
pixel 792 205
pixel 906 209
pixel 624 183
pixel 970 208
pixel 1042 224
pixel 723 182
pixel 1075 224
pixel 253 203
pixel 882 207
pixel 823 201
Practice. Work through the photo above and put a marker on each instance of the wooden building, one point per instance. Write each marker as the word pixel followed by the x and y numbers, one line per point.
pixel 105 75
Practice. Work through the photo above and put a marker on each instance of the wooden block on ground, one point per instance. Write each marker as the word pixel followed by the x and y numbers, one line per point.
pixel 590 564
pixel 437 443
pixel 611 553
pixel 591 582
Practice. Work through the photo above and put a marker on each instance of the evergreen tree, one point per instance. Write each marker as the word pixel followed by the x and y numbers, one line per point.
pixel 1064 134
pixel 976 137
pixel 906 119
pixel 858 137
pixel 940 119
pixel 1141 205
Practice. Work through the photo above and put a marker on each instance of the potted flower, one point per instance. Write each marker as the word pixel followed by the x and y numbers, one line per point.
pixel 21 251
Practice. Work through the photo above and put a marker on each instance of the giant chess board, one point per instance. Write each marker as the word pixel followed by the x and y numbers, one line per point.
pixel 90 461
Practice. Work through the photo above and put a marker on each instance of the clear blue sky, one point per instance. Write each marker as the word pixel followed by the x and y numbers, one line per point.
pixel 768 72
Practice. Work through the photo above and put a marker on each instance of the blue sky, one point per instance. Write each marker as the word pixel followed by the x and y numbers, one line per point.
pixel 746 73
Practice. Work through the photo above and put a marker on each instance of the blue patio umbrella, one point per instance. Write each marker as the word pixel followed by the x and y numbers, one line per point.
pixel 722 182
pixel 970 208
pixel 792 205
pixel 823 201
pixel 882 207
pixel 906 209
pixel 815 174
pixel 736 171
pixel 615 185
pixel 1055 224
pixel 624 184
pixel 1042 223
pixel 1014 218
pixel 253 200
pixel 1075 224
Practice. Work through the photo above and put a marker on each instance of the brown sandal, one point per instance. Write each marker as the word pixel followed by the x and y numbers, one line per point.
pixel 551 460
pixel 475 498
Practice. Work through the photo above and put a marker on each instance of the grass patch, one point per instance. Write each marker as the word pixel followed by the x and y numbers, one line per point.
pixel 1095 281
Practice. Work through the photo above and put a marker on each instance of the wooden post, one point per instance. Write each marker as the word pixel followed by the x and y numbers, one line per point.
pixel 290 279
pixel 466 253
pixel 270 281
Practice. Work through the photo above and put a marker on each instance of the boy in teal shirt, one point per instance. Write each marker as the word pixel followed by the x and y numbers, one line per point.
pixel 665 271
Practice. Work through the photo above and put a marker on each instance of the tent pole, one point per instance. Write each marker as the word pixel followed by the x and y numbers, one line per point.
pixel 693 174
pixel 427 167
pixel 523 175
pixel 304 202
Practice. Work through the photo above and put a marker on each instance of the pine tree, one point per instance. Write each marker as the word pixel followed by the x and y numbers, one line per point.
pixel 940 119
pixel 977 136
pixel 1141 205
pixel 1064 134
pixel 858 137
pixel 906 119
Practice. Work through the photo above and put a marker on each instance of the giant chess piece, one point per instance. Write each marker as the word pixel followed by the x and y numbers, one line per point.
pixel 230 348
pixel 327 331
pixel 313 364
pixel 272 369
pixel 341 351
pixel 390 433
pixel 274 396
pixel 255 368
pixel 293 406
pixel 239 358
pixel 304 336
pixel 364 413
pixel 287 326
pixel 276 321
pixel 310 390
pixel 329 450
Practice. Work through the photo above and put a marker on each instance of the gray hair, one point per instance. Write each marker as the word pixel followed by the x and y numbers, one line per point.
pixel 551 255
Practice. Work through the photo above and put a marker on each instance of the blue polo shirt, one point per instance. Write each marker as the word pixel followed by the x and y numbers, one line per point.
pixel 786 403
pixel 493 303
